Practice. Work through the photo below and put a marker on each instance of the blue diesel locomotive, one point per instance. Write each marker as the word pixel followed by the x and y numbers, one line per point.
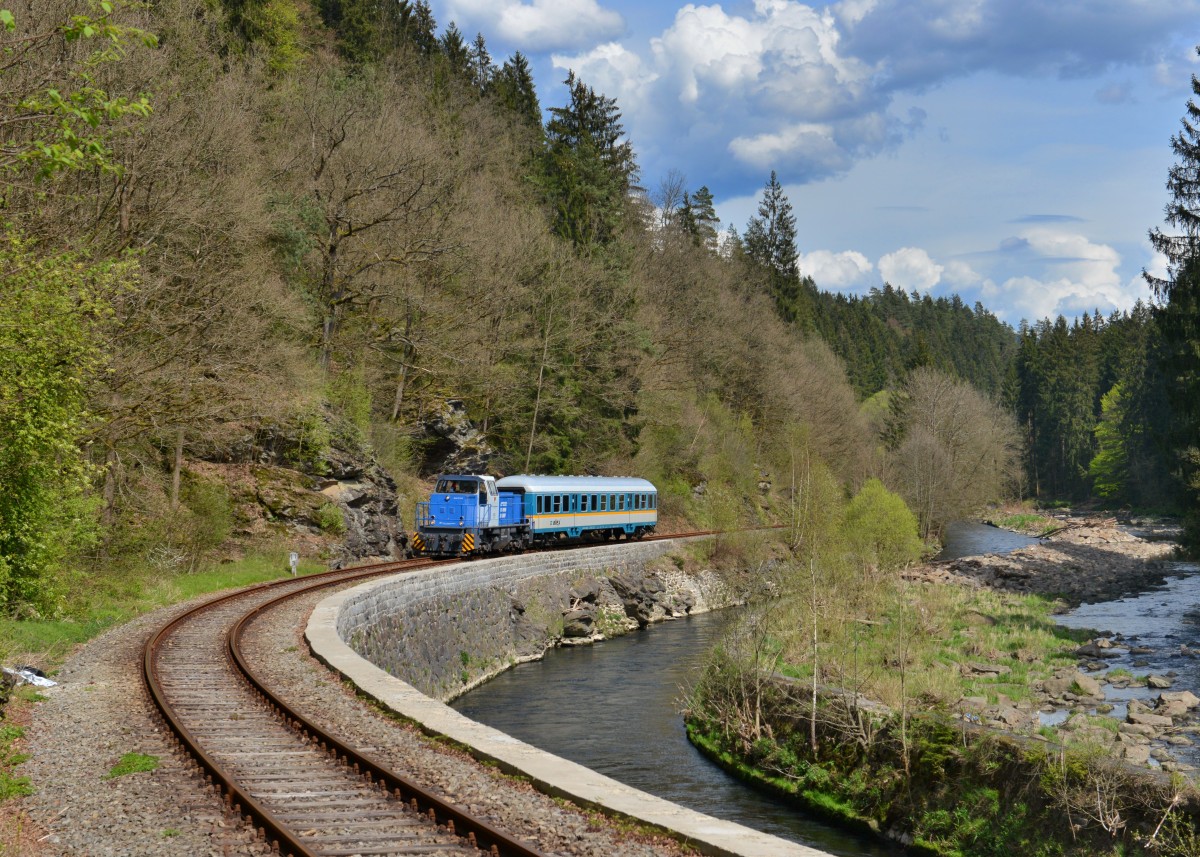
pixel 469 515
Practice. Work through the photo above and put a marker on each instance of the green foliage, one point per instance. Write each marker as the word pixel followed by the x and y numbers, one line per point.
pixel 276 24
pixel 331 519
pixel 348 393
pixel 132 763
pixel 69 129
pixel 881 527
pixel 12 785
pixel 51 309
pixel 588 167
pixel 1110 468
pixel 209 515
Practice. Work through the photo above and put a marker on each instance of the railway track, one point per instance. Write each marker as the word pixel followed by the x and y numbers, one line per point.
pixel 305 792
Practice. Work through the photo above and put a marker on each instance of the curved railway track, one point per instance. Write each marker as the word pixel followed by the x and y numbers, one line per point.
pixel 305 791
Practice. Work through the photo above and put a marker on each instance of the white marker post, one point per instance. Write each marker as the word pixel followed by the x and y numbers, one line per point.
pixel 293 561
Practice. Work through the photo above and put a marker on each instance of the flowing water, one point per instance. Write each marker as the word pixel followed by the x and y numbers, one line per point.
pixel 614 707
pixel 968 538
pixel 1163 625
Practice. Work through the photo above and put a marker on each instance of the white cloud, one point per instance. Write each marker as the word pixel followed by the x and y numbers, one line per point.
pixel 910 268
pixel 960 274
pixel 765 151
pixel 1076 276
pixel 835 270
pixel 771 87
pixel 540 25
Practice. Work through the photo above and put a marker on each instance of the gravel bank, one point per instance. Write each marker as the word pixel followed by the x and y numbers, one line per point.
pixel 1091 560
pixel 99 712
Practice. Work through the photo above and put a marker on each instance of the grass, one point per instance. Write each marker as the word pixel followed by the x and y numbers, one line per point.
pixel 1027 522
pixel 922 636
pixel 132 763
pixel 105 599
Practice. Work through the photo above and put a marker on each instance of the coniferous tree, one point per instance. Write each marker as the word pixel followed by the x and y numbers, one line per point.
pixel 590 168
pixel 1179 315
pixel 770 242
pixel 698 217
pixel 513 86
pixel 454 49
pixel 418 26
pixel 482 70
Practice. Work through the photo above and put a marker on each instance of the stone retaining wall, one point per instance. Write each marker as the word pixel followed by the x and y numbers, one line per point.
pixel 448 628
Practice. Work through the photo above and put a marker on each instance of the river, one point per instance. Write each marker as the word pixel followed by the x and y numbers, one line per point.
pixel 614 707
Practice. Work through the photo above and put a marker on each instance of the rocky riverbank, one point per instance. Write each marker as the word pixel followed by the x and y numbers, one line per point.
pixel 1113 698
pixel 1087 560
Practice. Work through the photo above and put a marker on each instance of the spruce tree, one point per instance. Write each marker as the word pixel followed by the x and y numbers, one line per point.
pixel 456 52
pixel 590 168
pixel 1179 312
pixel 699 218
pixel 513 86
pixel 482 70
pixel 770 243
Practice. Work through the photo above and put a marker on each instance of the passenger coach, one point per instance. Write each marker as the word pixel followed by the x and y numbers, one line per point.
pixel 575 506
pixel 468 515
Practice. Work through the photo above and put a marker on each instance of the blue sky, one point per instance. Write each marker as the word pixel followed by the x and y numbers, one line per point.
pixel 1012 151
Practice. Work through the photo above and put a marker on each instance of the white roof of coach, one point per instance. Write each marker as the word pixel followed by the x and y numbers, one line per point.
pixel 575 484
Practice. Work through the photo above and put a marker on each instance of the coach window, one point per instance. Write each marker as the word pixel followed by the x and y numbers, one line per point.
pixel 557 503
pixel 653 501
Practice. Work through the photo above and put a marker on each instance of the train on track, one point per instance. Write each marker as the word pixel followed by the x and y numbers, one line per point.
pixel 474 515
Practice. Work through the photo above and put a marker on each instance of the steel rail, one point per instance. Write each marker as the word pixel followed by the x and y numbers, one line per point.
pixel 237 798
pixel 277 833
pixel 477 831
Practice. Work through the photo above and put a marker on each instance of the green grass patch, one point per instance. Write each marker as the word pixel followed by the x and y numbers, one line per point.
pixel 132 763
pixel 105 599
pixel 1026 522
pixel 11 785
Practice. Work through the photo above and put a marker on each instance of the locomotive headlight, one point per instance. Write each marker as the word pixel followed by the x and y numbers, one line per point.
pixel 460 522
pixel 432 519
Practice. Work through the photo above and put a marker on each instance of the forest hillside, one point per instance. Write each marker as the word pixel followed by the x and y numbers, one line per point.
pixel 280 232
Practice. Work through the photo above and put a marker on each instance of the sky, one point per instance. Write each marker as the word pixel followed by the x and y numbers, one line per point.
pixel 1013 152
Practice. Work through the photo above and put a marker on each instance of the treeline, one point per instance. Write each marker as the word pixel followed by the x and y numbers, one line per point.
pixel 1092 403
pixel 888 332
pixel 257 226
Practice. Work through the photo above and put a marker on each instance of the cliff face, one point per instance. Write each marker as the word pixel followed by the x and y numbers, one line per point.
pixel 330 499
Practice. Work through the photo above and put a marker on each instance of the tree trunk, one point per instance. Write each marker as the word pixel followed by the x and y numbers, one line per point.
pixel 537 401
pixel 177 469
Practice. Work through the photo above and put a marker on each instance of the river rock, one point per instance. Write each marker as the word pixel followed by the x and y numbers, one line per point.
pixel 1158 681
pixel 1088 686
pixel 578 623
pixel 1189 699
pixel 1171 709
pixel 1136 754
pixel 586 590
pixel 1139 729
pixel 1155 720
